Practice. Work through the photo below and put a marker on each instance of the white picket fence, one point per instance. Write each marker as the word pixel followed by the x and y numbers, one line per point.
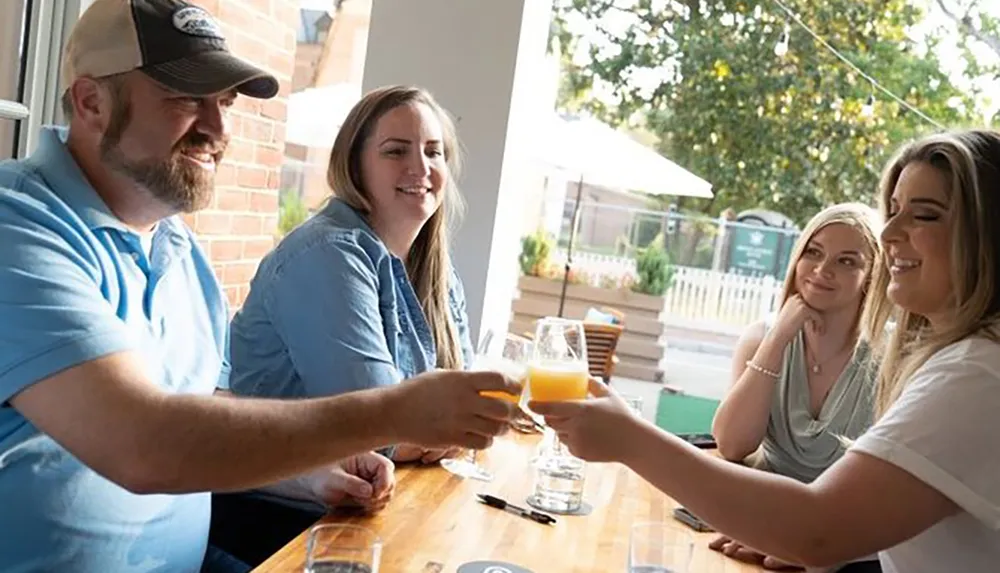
pixel 724 303
pixel 702 299
pixel 596 264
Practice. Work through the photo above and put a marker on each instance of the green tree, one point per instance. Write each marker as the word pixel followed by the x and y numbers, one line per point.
pixel 976 25
pixel 785 133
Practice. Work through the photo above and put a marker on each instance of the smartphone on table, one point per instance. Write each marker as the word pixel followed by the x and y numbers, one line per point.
pixel 691 520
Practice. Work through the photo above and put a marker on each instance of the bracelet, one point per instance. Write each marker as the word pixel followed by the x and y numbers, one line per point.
pixel 771 373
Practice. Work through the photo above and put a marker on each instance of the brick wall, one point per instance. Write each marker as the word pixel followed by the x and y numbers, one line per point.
pixel 239 227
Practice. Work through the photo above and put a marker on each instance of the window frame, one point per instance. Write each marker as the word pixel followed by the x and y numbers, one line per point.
pixel 49 23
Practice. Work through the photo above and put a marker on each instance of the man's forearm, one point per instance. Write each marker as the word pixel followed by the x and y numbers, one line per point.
pixel 224 444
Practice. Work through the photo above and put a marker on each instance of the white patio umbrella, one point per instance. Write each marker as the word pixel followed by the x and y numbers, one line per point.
pixel 592 152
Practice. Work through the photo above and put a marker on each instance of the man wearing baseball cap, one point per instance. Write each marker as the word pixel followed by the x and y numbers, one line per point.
pixel 114 331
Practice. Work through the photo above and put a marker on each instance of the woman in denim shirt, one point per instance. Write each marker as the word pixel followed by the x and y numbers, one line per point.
pixel 363 294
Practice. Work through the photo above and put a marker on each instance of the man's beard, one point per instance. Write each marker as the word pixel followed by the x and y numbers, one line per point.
pixel 174 181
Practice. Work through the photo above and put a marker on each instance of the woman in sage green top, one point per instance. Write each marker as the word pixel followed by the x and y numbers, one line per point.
pixel 803 383
pixel 801 442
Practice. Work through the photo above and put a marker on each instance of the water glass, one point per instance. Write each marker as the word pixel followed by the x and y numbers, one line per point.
pixel 634 403
pixel 559 480
pixel 337 548
pixel 659 547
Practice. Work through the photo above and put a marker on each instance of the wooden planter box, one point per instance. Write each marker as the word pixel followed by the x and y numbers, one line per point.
pixel 641 346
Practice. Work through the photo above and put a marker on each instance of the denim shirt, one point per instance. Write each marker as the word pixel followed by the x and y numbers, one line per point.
pixel 331 310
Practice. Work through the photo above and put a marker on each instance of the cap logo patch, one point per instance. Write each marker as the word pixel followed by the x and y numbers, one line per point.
pixel 197 22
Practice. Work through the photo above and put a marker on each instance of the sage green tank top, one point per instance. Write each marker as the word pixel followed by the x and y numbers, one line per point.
pixel 801 447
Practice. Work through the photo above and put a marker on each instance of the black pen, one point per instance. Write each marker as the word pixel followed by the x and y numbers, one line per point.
pixel 498 503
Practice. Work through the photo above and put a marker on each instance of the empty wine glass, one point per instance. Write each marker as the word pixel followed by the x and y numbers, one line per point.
pixel 659 548
pixel 509 356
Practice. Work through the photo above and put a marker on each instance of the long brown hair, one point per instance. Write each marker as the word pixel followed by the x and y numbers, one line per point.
pixel 970 160
pixel 428 265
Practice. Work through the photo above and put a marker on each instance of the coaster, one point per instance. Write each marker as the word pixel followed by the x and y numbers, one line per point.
pixel 584 509
pixel 491 567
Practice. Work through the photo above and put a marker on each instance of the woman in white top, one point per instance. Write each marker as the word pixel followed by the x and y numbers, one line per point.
pixel 922 486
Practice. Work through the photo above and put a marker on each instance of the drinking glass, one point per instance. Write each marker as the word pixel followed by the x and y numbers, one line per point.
pixel 558 369
pixel 509 356
pixel 659 547
pixel 634 403
pixel 337 548
pixel 559 481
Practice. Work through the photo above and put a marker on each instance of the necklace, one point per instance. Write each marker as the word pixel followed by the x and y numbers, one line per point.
pixel 817 366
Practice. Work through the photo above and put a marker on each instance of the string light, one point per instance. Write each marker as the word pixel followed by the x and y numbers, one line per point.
pixel 868 110
pixel 841 57
pixel 781 48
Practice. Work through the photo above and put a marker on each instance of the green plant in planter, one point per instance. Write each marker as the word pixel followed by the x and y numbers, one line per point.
pixel 655 273
pixel 292 212
pixel 535 251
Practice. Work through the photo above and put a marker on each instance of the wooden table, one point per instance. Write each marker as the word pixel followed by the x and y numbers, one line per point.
pixel 435 522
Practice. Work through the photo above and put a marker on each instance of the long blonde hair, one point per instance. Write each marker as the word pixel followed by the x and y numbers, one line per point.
pixel 971 162
pixel 867 222
pixel 427 264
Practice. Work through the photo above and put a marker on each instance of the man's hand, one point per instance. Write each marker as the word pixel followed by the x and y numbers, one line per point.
pixel 412 453
pixel 405 453
pixel 365 480
pixel 443 408
pixel 435 455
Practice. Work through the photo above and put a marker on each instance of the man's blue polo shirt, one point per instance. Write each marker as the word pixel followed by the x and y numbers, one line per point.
pixel 77 284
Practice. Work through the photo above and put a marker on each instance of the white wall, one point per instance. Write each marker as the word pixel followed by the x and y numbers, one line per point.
pixel 482 60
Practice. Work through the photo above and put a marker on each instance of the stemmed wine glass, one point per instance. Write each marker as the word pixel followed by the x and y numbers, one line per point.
pixel 558 369
pixel 509 355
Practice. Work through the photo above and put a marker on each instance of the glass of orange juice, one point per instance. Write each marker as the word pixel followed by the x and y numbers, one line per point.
pixel 558 369
pixel 508 355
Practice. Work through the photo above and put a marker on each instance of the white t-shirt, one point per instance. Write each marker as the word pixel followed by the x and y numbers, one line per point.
pixel 945 430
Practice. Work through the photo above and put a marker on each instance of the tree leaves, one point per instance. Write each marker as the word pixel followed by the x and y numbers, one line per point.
pixel 784 133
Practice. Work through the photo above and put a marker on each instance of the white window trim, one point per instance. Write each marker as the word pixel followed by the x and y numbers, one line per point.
pixel 48 27
pixel 13 110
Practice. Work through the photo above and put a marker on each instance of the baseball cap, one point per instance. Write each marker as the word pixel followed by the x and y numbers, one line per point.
pixel 178 44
